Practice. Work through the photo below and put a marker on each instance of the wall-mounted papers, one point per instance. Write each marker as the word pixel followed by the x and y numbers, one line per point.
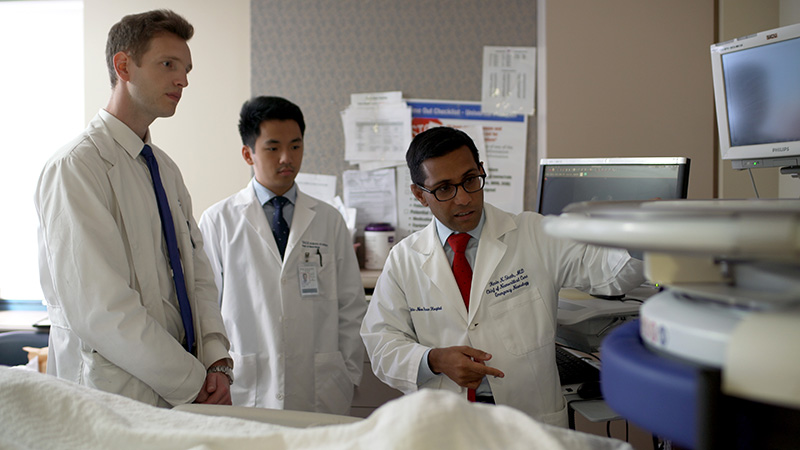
pixel 411 215
pixel 372 193
pixel 376 98
pixel 376 128
pixel 504 140
pixel 318 186
pixel 509 80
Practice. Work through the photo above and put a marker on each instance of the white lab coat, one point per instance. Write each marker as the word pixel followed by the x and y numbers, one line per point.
pixel 290 351
pixel 512 314
pixel 99 236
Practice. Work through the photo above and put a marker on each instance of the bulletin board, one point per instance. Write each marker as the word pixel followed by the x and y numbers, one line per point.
pixel 317 54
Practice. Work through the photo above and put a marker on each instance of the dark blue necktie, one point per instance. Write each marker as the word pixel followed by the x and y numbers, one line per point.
pixel 280 229
pixel 168 226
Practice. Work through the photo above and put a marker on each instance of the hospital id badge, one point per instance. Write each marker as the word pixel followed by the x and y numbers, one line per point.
pixel 308 280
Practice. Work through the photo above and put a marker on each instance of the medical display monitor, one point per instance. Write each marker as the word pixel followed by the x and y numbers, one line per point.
pixel 565 181
pixel 757 94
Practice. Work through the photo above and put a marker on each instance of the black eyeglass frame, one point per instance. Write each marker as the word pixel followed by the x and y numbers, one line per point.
pixel 456 186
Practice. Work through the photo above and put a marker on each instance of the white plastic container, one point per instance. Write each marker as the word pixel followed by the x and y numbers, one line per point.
pixel 378 240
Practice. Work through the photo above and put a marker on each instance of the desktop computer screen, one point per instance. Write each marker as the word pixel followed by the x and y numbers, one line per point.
pixel 584 320
pixel 565 181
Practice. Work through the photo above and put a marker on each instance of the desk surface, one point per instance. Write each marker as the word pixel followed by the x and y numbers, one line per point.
pixel 369 278
pixel 20 320
pixel 595 410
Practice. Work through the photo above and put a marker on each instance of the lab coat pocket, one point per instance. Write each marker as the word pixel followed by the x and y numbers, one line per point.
pixel 558 418
pixel 523 323
pixel 245 374
pixel 317 276
pixel 100 373
pixel 333 386
pixel 327 275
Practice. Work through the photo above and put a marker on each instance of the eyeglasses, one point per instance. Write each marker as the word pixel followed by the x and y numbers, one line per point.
pixel 448 191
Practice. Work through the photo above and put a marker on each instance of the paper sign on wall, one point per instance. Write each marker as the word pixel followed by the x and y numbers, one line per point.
pixel 509 80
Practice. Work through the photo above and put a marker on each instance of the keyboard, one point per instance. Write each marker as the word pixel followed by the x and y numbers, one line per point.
pixel 574 370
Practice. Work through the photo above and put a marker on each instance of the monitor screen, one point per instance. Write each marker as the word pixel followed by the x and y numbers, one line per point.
pixel 757 95
pixel 565 181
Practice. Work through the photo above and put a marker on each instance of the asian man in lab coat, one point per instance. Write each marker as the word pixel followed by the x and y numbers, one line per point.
pixel 120 321
pixel 292 313
pixel 419 331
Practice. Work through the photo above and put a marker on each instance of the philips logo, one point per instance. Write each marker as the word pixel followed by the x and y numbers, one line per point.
pixel 780 149
pixel 772 36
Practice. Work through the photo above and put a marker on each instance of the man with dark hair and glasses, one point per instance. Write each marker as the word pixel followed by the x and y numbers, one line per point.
pixel 468 304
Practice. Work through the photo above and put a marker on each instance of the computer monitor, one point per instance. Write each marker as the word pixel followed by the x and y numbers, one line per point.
pixel 565 181
pixel 757 95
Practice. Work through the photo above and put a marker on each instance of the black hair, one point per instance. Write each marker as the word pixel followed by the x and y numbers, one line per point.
pixel 261 108
pixel 433 143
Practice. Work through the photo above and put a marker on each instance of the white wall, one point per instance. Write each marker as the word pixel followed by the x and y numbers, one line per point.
pixel 202 136
pixel 627 78
pixel 738 18
pixel 29 91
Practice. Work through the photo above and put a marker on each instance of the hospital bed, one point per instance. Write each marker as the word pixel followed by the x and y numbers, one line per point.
pixel 41 411
pixel 285 418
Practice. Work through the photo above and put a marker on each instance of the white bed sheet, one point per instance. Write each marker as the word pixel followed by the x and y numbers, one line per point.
pixel 41 411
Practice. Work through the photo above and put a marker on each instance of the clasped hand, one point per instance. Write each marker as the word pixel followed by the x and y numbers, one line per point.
pixel 216 389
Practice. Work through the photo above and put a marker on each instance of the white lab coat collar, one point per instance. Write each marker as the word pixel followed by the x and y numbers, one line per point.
pixel 253 213
pixel 491 249
pixel 123 135
pixel 444 232
pixel 264 194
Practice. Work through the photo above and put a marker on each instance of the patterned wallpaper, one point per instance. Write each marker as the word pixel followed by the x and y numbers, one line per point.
pixel 318 52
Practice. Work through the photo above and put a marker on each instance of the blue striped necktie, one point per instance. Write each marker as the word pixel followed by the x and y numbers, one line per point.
pixel 168 227
pixel 280 229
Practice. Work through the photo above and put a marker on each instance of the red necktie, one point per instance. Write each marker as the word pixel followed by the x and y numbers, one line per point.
pixel 463 274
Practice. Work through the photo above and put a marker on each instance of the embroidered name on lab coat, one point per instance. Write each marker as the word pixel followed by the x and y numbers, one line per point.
pixel 426 308
pixel 508 283
pixel 313 244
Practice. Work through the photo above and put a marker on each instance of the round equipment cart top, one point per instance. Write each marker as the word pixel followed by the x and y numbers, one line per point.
pixel 752 229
